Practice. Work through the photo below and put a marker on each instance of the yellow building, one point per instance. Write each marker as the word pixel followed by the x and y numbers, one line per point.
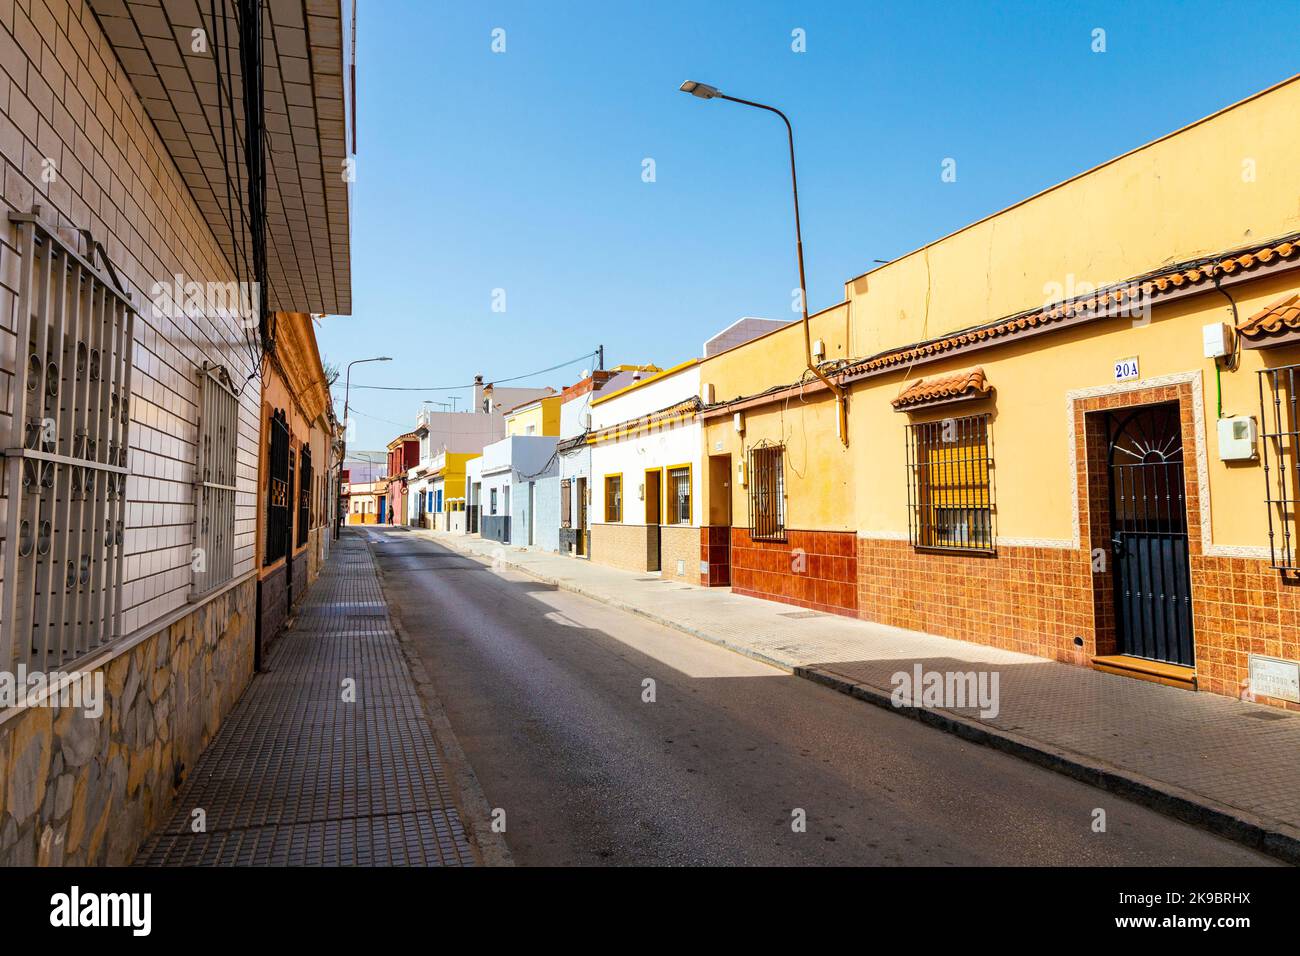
pixel 1071 425
pixel 539 416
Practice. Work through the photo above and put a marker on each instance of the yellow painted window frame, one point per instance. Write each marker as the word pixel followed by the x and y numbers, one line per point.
pixel 617 519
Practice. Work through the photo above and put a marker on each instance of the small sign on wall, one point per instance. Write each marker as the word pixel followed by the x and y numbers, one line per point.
pixel 1276 678
pixel 1126 370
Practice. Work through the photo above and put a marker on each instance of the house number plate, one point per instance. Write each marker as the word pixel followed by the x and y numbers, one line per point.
pixel 1126 370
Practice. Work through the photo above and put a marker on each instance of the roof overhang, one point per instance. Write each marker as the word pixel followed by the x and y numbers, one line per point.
pixel 308 260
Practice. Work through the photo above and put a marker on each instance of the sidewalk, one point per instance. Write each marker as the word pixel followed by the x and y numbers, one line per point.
pixel 1229 766
pixel 298 776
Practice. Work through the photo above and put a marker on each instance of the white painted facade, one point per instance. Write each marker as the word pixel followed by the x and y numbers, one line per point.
pixel 658 447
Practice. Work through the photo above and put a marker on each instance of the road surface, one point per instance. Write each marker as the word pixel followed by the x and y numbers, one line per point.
pixel 546 691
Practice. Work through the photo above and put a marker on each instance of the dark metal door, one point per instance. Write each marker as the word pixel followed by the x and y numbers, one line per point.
pixel 1148 516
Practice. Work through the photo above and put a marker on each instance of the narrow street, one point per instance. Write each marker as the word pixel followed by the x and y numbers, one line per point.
pixel 545 688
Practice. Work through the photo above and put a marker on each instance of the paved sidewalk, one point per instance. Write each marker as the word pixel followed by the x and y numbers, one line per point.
pixel 298 776
pixel 1231 766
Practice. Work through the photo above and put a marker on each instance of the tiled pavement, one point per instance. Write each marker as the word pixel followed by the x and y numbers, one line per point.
pixel 1231 765
pixel 298 776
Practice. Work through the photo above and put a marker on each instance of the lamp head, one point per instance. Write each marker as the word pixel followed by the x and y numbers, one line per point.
pixel 702 90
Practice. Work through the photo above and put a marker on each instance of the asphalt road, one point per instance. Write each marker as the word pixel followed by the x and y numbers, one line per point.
pixel 545 691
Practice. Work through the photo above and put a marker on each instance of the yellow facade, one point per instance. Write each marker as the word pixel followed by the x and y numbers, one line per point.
pixel 1206 223
pixel 453 474
pixel 541 417
pixel 1124 219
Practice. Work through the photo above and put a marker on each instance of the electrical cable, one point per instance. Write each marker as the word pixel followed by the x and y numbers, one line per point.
pixel 500 381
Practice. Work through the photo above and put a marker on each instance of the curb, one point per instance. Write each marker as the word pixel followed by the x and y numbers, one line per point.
pixel 1276 840
pixel 473 802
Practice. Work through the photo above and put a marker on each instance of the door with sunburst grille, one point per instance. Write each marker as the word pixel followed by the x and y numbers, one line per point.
pixel 1152 580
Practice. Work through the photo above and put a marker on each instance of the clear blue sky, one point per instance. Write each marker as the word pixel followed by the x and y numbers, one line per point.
pixel 522 170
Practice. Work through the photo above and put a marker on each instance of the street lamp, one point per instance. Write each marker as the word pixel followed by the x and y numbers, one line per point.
pixel 705 92
pixel 347 395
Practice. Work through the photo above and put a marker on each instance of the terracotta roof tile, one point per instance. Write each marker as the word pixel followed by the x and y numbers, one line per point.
pixel 1281 317
pixel 970 383
pixel 1176 277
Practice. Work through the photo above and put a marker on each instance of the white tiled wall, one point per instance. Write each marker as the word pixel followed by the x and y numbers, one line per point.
pixel 63 96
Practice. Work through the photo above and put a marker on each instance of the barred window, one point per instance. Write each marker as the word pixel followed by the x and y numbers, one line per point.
pixel 767 493
pixel 279 477
pixel 1279 415
pixel 65 455
pixel 566 504
pixel 214 506
pixel 679 495
pixel 950 487
pixel 304 496
pixel 614 498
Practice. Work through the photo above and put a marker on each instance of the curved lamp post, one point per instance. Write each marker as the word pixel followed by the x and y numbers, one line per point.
pixel 705 92
pixel 347 395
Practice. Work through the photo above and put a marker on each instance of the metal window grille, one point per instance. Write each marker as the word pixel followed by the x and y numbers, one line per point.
pixel 566 504
pixel 214 485
pixel 277 491
pixel 1279 413
pixel 304 496
pixel 767 492
pixel 613 498
pixel 679 492
pixel 950 484
pixel 65 457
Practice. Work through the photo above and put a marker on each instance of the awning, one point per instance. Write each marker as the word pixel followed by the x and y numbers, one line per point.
pixel 308 264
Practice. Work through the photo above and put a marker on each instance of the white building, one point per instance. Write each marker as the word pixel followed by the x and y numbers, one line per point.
pixel 510 471
pixel 575 454
pixel 645 447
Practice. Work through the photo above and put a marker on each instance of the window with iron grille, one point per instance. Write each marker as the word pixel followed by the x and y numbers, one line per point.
pixel 950 486
pixel 566 505
pixel 65 455
pixel 304 496
pixel 278 477
pixel 679 495
pixel 614 498
pixel 1279 413
pixel 214 485
pixel 767 492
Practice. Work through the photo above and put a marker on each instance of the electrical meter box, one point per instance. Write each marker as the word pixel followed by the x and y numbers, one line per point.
pixel 1237 439
pixel 1217 339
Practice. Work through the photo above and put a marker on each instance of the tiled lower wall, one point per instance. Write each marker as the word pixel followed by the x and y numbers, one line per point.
pixel 1032 600
pixel 1038 600
pixel 79 790
pixel 625 546
pixel 1241 607
pixel 813 569
pixel 680 546
pixel 715 556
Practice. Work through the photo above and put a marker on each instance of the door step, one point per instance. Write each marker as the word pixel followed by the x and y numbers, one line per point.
pixel 1159 672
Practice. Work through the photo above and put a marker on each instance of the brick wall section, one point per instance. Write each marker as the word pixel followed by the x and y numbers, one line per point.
pixel 72 789
pixel 65 98
pixel 715 551
pixel 680 543
pixel 811 569
pixel 623 546
pixel 1032 600
pixel 1241 607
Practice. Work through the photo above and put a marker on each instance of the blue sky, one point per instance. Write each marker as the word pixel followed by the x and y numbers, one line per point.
pixel 522 170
